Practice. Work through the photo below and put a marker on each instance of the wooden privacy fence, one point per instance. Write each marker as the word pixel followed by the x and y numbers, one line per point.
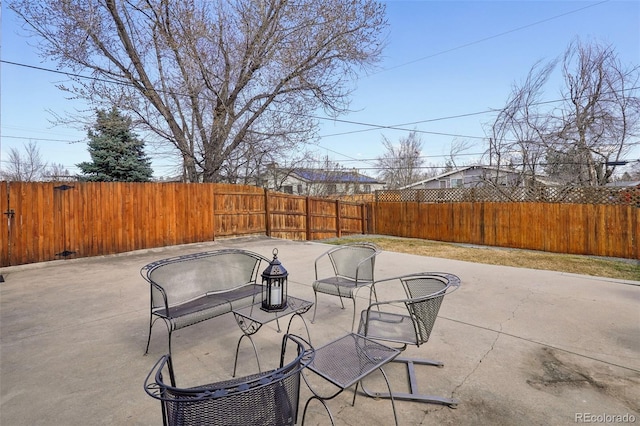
pixel 46 220
pixel 589 229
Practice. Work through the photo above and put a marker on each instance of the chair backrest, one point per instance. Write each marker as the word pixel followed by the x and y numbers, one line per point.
pixel 355 261
pixel 425 292
pixel 268 398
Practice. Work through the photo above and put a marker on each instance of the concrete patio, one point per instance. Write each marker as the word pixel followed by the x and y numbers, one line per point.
pixel 520 346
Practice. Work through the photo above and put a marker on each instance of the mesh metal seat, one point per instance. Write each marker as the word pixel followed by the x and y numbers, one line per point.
pixel 268 398
pixel 409 322
pixel 353 268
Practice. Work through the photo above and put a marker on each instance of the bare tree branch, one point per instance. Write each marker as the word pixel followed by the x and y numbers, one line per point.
pixel 208 76
pixel 577 141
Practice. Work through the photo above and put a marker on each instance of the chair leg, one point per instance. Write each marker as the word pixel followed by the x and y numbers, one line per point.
pixel 315 306
pixel 414 395
pixel 353 321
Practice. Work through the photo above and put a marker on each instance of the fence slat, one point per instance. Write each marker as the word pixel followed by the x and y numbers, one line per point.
pixel 601 230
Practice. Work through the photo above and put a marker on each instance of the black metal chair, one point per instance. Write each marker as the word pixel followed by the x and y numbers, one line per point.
pixel 409 322
pixel 268 398
pixel 353 268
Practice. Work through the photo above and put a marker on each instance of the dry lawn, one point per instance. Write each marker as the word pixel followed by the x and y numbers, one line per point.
pixel 586 265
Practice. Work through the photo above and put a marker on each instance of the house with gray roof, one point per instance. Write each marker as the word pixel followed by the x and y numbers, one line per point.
pixel 470 177
pixel 318 182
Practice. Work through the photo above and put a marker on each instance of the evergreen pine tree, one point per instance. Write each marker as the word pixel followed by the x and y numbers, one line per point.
pixel 117 153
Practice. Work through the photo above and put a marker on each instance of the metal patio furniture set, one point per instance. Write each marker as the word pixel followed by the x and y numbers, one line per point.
pixel 189 289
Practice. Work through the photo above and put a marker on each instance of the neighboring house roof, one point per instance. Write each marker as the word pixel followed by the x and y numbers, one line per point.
pixel 623 183
pixel 323 176
pixel 457 171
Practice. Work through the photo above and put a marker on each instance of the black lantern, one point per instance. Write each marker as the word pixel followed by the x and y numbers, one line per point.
pixel 274 285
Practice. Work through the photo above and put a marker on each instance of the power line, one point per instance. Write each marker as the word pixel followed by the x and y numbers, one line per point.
pixel 399 127
pixel 41 139
pixel 372 126
pixel 462 46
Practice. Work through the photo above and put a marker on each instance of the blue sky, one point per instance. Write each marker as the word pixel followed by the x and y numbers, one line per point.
pixel 443 59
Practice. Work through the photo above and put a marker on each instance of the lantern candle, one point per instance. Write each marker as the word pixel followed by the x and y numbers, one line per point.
pixel 276 296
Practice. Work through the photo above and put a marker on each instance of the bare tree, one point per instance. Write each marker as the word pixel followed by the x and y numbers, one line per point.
pixel 581 139
pixel 601 112
pixel 210 77
pixel 520 131
pixel 57 172
pixel 25 167
pixel 401 164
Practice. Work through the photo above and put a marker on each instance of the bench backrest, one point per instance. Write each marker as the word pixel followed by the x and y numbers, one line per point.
pixel 183 278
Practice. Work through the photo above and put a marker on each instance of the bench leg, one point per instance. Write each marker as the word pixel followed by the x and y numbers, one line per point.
pixel 151 322
pixel 146 351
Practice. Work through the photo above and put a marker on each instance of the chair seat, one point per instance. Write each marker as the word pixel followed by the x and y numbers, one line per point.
pixel 388 326
pixel 338 286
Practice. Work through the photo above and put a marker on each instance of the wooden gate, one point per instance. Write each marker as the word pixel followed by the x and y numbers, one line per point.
pixel 36 222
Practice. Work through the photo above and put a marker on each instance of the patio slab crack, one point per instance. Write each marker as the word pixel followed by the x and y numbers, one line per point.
pixel 493 344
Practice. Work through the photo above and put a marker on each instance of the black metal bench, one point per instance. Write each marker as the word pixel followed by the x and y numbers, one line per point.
pixel 189 289
pixel 269 398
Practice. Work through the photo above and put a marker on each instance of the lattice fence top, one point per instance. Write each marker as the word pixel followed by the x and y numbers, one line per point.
pixel 578 195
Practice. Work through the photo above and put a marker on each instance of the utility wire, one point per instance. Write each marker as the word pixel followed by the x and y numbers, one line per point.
pixel 40 139
pixel 462 46
pixel 372 126
pixel 399 126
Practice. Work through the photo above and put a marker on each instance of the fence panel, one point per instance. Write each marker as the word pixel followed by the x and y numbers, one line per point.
pixel 351 218
pixel 287 216
pixel 602 230
pixel 239 210
pixel 323 219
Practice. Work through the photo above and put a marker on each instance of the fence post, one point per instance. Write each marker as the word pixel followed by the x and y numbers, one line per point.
pixel 267 213
pixel 338 224
pixel 362 217
pixel 308 218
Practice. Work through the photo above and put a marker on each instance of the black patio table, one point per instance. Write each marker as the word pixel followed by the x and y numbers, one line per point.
pixel 251 318
pixel 345 362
